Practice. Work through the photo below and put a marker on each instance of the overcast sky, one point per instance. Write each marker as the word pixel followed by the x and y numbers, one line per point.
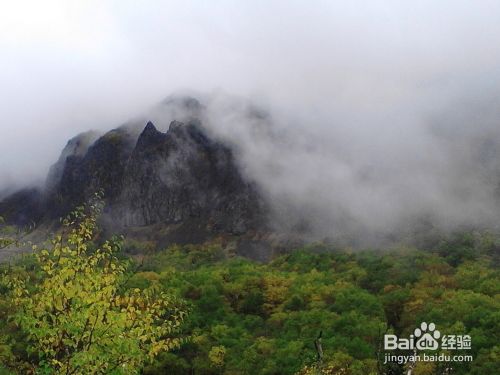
pixel 371 70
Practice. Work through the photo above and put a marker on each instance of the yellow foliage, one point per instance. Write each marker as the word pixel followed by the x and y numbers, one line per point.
pixel 81 318
pixel 216 355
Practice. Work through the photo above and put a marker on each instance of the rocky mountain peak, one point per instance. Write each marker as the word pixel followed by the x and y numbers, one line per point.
pixel 149 137
pixel 150 128
pixel 183 176
pixel 181 181
pixel 174 125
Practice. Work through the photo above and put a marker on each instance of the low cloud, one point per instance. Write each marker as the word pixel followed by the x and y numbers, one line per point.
pixel 374 112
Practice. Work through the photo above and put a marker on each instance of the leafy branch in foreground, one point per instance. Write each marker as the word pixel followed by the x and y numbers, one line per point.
pixel 80 318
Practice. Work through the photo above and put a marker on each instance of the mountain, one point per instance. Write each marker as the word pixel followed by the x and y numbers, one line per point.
pixel 178 186
pixel 182 175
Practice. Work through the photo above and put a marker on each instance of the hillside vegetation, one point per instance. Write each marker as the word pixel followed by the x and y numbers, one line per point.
pixel 240 316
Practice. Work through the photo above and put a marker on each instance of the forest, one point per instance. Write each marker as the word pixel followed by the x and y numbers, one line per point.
pixel 82 304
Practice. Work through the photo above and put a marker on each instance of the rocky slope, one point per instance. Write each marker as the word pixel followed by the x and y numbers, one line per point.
pixel 184 184
pixel 182 175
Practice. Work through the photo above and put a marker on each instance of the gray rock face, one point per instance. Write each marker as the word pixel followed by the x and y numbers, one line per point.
pixel 23 208
pixel 76 147
pixel 180 179
pixel 183 175
pixel 81 174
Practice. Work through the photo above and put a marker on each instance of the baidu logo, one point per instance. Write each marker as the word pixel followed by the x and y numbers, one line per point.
pixel 427 337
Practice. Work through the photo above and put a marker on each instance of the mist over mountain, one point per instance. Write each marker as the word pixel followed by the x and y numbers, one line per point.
pixel 377 118
pixel 192 168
